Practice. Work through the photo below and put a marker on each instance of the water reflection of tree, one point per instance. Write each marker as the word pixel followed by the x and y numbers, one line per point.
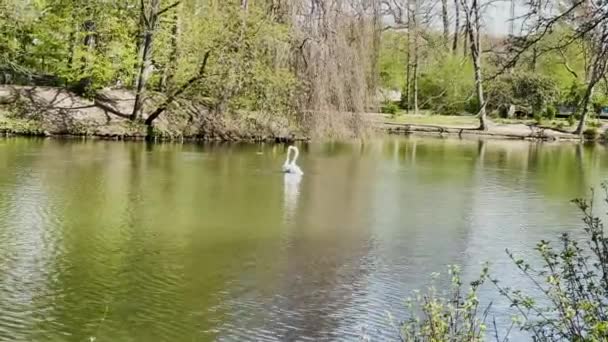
pixel 30 250
pixel 422 203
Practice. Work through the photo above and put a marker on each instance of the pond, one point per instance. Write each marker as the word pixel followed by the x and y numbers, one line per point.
pixel 116 241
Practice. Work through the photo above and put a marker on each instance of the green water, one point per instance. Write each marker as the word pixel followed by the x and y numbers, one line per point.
pixel 131 242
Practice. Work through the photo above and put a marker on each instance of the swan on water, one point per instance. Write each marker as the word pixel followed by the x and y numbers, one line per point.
pixel 290 165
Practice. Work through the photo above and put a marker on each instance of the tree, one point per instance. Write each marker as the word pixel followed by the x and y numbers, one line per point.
pixel 150 19
pixel 413 19
pixel 334 57
pixel 411 8
pixel 472 17
pixel 586 22
pixel 446 24
pixel 456 26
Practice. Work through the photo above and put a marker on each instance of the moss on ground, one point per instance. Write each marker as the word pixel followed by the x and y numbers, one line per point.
pixel 9 125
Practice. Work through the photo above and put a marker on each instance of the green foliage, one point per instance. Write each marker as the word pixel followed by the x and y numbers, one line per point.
pixel 573 283
pixel 390 107
pixel 446 83
pixel 91 44
pixel 570 303
pixel 20 126
pixel 571 119
pixel 47 37
pixel 591 133
pixel 594 123
pixel 453 316
pixel 393 60
pixel 599 102
pixel 538 118
pixel 445 87
pixel 472 105
pixel 550 112
pixel 552 64
pixel 246 70
pixel 532 91
pixel 574 94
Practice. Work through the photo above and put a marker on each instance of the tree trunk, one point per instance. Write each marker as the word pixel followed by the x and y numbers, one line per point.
pixel 456 26
pixel 534 61
pixel 170 98
pixel 446 24
pixel 479 90
pixel 415 77
pixel 140 46
pixel 597 72
pixel 416 48
pixel 408 66
pixel 580 129
pixel 408 79
pixel 72 48
pixel 473 30
pixel 144 75
pixel 150 22
pixel 90 38
pixel 465 45
pixel 169 70
pixel 83 84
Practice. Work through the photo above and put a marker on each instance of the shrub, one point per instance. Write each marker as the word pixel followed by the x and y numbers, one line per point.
pixel 595 123
pixel 571 303
pixel 571 119
pixel 573 279
pixel 538 118
pixel 591 133
pixel 444 86
pixel 550 112
pixel 472 105
pixel 599 102
pixel 455 316
pixel 534 91
pixel 389 107
pixel 574 95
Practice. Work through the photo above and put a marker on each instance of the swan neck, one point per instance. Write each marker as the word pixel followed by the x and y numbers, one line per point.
pixel 295 154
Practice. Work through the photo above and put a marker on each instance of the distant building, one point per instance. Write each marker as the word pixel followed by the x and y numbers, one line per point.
pixel 563 110
pixel 386 95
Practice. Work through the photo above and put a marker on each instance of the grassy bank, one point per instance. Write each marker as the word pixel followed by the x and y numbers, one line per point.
pixel 555 129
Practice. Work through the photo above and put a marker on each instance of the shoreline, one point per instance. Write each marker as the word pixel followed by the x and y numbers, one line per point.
pixel 50 112
pixel 466 126
pixel 505 132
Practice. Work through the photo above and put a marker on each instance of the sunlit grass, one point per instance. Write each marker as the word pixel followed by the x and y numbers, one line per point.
pixel 428 118
pixel 440 120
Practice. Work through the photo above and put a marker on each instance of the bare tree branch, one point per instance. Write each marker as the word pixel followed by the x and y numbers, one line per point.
pixel 175 4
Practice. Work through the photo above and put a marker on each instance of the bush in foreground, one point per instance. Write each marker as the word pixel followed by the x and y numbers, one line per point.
pixel 572 280
pixel 454 316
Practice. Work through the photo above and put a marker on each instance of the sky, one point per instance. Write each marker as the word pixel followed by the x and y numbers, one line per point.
pixel 497 16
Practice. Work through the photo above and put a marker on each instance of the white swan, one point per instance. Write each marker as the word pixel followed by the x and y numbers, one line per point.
pixel 290 165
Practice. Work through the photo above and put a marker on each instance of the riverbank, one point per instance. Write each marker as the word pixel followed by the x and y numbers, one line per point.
pixel 56 112
pixel 461 126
